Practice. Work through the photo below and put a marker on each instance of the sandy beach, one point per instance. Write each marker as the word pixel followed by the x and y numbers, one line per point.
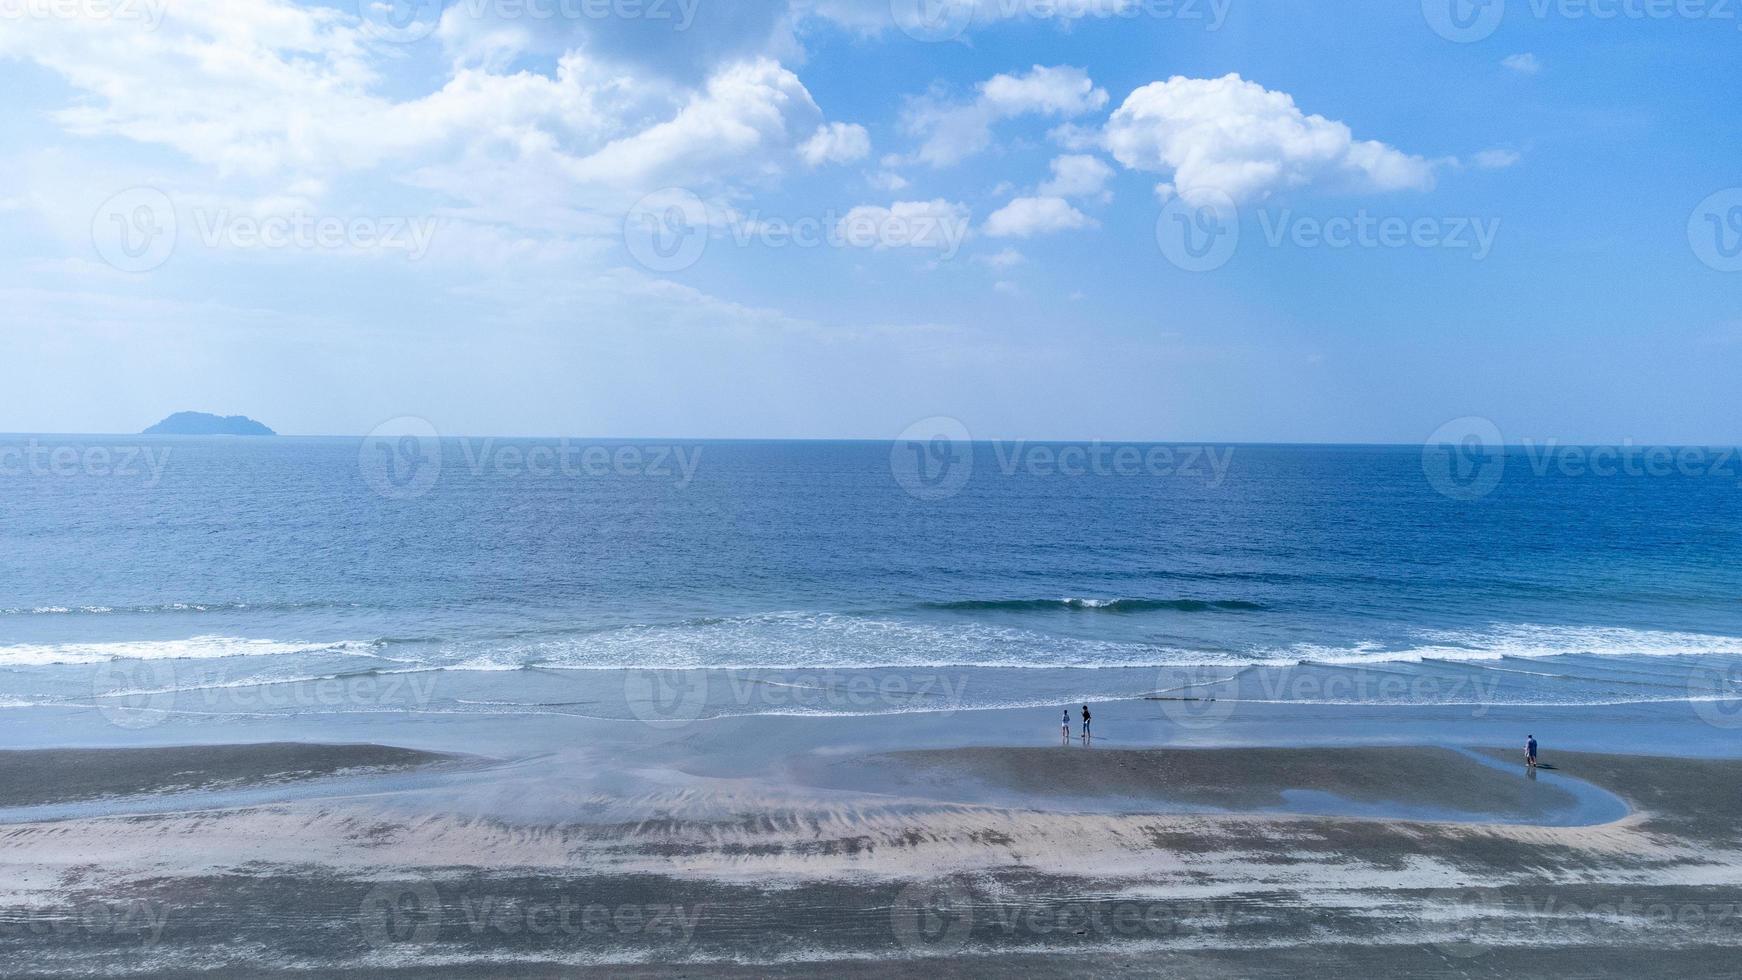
pixel 300 859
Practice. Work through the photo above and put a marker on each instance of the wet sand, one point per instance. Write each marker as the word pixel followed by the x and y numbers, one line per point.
pixel 1428 782
pixel 36 776
pixel 1157 861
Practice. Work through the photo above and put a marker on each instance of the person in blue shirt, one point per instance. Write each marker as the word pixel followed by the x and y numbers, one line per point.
pixel 1530 752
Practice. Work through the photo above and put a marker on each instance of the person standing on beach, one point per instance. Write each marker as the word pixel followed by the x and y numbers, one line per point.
pixel 1530 751
pixel 1065 727
pixel 1085 724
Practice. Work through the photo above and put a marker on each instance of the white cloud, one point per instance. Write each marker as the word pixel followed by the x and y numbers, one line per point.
pixel 952 132
pixel 1524 64
pixel 936 224
pixel 872 17
pixel 562 151
pixel 1236 137
pixel 744 111
pixel 1496 159
pixel 1029 216
pixel 1073 136
pixel 887 180
pixel 836 143
pixel 1004 259
pixel 1056 91
pixel 1078 175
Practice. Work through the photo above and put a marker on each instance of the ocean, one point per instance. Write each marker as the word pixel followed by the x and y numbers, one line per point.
pixel 206 581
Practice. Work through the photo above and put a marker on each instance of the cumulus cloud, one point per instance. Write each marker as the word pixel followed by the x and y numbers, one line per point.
pixel 836 143
pixel 1524 64
pixel 1238 138
pixel 1078 175
pixel 953 131
pixel 564 150
pixel 744 109
pixel 1026 217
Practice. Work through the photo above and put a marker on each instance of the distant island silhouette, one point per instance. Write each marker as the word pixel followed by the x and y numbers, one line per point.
pixel 203 424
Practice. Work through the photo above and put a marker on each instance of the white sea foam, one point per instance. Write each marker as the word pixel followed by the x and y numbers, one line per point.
pixel 1525 641
pixel 194 648
pixel 803 641
pixel 791 641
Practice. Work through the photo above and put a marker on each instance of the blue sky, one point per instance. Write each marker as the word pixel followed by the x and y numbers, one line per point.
pixel 325 216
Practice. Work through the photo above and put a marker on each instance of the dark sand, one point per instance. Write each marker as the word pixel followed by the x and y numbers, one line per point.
pixel 31 777
pixel 863 880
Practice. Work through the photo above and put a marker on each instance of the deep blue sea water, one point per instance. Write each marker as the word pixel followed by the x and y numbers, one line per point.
pixel 1043 572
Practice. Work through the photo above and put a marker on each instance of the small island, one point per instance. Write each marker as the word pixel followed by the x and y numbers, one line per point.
pixel 203 424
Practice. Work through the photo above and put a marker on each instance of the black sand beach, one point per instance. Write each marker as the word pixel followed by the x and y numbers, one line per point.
pixel 1199 870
